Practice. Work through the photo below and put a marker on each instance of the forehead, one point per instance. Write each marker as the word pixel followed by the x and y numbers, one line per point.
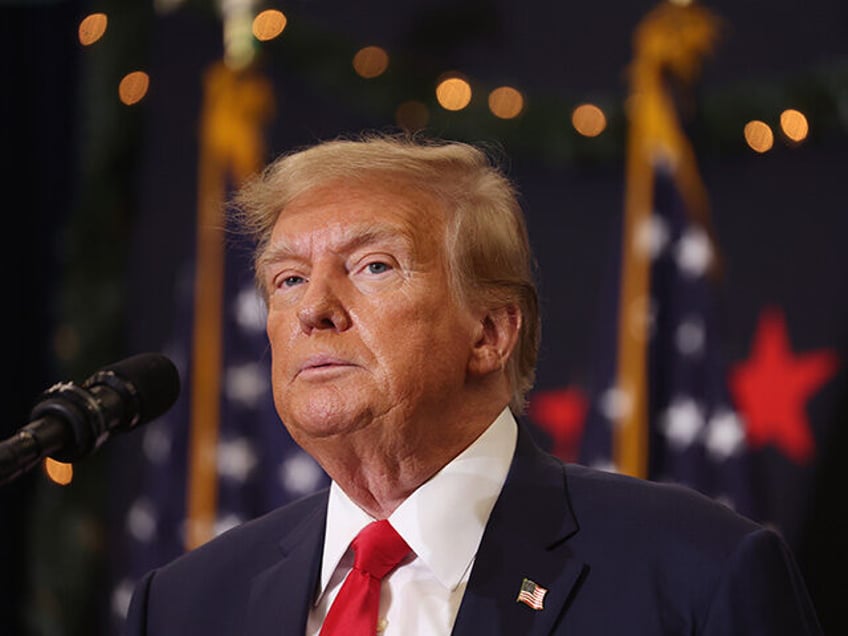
pixel 356 212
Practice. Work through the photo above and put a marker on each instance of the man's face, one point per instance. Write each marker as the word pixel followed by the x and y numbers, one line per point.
pixel 364 331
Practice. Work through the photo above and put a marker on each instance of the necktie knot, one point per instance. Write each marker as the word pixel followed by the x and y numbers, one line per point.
pixel 378 549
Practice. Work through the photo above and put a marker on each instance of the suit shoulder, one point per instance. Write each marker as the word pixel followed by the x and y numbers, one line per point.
pixel 654 509
pixel 208 590
pixel 252 540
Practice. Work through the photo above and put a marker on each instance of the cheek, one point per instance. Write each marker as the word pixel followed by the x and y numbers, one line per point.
pixel 420 345
pixel 279 327
pixel 279 337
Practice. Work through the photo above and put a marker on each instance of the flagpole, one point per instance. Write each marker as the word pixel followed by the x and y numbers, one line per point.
pixel 206 349
pixel 630 434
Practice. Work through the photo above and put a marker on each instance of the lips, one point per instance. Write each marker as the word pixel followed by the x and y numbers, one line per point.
pixel 323 364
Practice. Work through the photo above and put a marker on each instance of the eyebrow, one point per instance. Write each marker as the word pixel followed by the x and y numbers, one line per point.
pixel 358 237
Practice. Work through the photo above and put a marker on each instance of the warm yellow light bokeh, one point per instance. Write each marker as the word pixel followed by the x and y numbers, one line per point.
pixel 269 24
pixel 370 62
pixel 794 124
pixel 588 120
pixel 412 115
pixel 453 93
pixel 133 87
pixel 759 136
pixel 92 28
pixel 59 472
pixel 506 102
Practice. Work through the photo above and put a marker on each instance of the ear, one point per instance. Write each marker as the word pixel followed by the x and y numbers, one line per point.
pixel 496 338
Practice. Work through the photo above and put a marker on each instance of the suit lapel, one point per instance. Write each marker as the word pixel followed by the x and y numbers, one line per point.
pixel 524 538
pixel 281 595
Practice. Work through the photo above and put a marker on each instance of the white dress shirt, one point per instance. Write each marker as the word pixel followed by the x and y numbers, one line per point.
pixel 443 523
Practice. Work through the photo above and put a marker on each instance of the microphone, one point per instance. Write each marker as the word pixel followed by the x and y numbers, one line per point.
pixel 71 421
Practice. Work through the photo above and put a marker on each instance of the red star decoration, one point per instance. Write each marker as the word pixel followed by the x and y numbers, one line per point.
pixel 561 413
pixel 772 388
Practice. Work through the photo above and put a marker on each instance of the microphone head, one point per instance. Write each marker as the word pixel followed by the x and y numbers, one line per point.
pixel 151 377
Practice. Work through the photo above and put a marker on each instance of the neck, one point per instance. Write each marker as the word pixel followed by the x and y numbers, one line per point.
pixel 378 468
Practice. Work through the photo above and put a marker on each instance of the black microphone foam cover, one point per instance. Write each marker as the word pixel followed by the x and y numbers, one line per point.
pixel 151 377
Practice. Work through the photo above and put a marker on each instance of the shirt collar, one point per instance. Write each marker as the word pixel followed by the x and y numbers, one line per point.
pixel 444 519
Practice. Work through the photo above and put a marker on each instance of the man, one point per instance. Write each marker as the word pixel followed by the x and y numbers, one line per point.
pixel 403 325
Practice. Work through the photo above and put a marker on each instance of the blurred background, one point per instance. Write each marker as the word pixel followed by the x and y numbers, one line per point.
pixel 700 149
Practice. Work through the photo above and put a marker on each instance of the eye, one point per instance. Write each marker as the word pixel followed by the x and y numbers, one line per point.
pixel 378 267
pixel 290 281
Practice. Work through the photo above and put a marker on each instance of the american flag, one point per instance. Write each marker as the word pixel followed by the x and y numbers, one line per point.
pixel 259 467
pixel 695 434
pixel 660 407
pixel 532 594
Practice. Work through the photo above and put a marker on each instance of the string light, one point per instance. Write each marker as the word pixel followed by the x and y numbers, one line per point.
pixel 588 120
pixel 92 28
pixel 269 24
pixel 58 472
pixel 370 62
pixel 453 93
pixel 506 102
pixel 794 125
pixel 759 136
pixel 133 87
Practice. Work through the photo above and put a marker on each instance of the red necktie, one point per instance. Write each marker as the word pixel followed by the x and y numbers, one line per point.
pixel 377 551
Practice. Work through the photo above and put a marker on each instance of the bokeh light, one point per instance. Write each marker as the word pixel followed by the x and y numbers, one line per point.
pixel 269 24
pixel 588 120
pixel 92 28
pixel 59 472
pixel 794 125
pixel 506 102
pixel 133 87
pixel 370 62
pixel 759 136
pixel 412 115
pixel 453 93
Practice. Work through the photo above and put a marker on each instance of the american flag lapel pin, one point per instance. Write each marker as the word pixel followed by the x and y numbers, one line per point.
pixel 531 594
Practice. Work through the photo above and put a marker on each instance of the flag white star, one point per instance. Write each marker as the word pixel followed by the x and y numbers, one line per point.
pixel 247 384
pixel 141 520
pixel 121 597
pixel 652 236
pixel 156 443
pixel 236 459
pixel 249 310
pixel 726 501
pixel 605 465
pixel 226 522
pixel 615 403
pixel 300 474
pixel 682 422
pixel 694 252
pixel 690 336
pixel 725 434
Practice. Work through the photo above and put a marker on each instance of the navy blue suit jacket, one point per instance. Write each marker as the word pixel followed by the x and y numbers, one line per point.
pixel 617 556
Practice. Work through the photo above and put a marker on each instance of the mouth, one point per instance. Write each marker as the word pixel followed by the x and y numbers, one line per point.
pixel 322 365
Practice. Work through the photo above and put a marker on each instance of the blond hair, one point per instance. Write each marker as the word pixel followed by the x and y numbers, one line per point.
pixel 487 244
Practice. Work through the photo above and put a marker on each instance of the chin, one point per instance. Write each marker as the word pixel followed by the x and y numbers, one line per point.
pixel 316 419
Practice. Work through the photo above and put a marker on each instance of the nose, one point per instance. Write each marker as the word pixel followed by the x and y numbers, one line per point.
pixel 322 308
